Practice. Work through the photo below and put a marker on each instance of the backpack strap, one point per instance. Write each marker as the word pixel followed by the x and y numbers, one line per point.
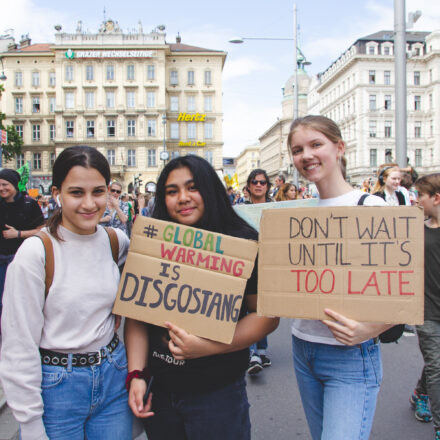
pixel 362 199
pixel 114 243
pixel 50 261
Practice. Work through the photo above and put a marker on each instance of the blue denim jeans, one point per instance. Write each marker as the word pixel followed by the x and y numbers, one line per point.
pixel 87 402
pixel 260 345
pixel 339 387
pixel 222 414
pixel 429 383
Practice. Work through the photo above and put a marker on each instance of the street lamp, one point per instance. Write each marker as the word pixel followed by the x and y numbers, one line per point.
pixel 164 155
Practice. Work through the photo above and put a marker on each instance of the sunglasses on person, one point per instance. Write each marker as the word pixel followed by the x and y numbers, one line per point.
pixel 117 191
pixel 256 182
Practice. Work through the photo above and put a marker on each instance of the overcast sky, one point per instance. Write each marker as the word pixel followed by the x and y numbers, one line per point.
pixel 255 71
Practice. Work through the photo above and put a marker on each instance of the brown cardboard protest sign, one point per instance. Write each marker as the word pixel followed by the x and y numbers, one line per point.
pixel 364 262
pixel 190 277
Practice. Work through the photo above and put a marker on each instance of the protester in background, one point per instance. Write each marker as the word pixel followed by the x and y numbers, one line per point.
pixel 143 205
pixel 366 185
pixel 246 194
pixel 406 183
pixel 337 362
pixel 20 217
pixel 116 213
pixel 62 366
pixel 125 199
pixel 427 391
pixel 44 208
pixel 199 391
pixel 259 185
pixel 280 180
pixel 288 191
pixel 387 186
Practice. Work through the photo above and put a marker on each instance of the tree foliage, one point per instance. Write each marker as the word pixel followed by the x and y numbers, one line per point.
pixel 15 142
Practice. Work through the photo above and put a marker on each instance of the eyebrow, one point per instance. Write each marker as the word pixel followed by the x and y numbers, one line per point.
pixel 70 188
pixel 174 185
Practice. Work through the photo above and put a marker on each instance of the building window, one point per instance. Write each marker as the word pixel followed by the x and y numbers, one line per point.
pixel 52 79
pixel 190 77
pixel 151 158
pixel 371 50
pixel 191 127
pixel 417 129
pixel 69 100
pixel 110 99
pixel 151 72
pixel 35 79
pixel 111 128
pixel 208 103
pixel 372 102
pixel 110 72
pixel 35 132
pixel 19 130
pixel 418 157
pixel 37 161
pixel 18 79
pixel 388 129
pixel 174 103
pixel 372 129
pixel 209 156
pixel 151 99
pixel 372 76
pixel 191 103
pixel 417 102
pixel 388 155
pixel 131 158
pixel 430 101
pixel 90 129
pixel 53 156
pixel 69 73
pixel 208 130
pixel 130 99
pixel 89 73
pixel 208 81
pixel 35 104
pixel 19 104
pixel 111 157
pixel 386 50
pixel 387 102
pixel 20 160
pixel 430 75
pixel 131 127
pixel 151 127
pixel 174 130
pixel 130 72
pixel 52 104
pixel 52 132
pixel 69 128
pixel 431 128
pixel 174 79
pixel 90 99
pixel 416 78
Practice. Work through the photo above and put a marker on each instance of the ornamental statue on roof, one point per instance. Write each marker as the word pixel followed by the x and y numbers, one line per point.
pixel 109 27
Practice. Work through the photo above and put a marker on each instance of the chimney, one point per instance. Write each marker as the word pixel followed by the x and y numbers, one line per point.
pixel 178 38
pixel 25 41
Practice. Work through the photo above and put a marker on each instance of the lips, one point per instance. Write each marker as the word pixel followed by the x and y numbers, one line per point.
pixel 186 211
pixel 311 166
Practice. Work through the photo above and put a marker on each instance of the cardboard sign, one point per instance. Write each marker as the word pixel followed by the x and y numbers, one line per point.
pixel 190 277
pixel 364 262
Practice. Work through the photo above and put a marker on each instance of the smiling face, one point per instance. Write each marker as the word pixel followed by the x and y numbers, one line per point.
pixel 392 181
pixel 315 156
pixel 7 191
pixel 83 198
pixel 183 200
pixel 291 193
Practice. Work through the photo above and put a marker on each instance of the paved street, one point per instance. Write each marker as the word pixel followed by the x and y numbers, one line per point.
pixel 276 410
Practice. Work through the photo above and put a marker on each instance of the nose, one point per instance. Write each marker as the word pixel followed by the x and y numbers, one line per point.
pixel 183 195
pixel 88 202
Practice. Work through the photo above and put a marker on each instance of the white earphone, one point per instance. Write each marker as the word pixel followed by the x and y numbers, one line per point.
pixel 58 200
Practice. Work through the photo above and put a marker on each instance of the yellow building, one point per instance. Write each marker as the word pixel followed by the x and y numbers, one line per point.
pixel 125 94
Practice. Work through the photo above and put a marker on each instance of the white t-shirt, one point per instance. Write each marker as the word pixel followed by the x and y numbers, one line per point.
pixel 316 331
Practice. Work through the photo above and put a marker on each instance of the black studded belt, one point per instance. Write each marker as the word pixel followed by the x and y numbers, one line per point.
pixel 49 357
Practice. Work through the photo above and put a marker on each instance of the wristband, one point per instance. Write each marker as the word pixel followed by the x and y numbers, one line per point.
pixel 18 234
pixel 136 374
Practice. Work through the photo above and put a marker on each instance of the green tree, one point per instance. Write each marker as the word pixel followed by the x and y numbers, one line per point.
pixel 15 142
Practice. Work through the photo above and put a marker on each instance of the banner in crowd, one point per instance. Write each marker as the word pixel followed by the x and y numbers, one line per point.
pixel 188 276
pixel 364 262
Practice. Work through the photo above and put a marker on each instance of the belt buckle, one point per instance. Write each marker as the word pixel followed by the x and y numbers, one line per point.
pixel 98 357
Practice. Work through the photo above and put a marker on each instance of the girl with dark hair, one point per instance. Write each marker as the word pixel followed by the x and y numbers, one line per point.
pixel 337 362
pixel 199 391
pixel 62 365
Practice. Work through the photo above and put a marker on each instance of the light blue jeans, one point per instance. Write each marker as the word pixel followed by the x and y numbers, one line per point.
pixel 87 402
pixel 339 387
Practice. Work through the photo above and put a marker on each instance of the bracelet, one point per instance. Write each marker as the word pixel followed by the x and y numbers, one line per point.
pixel 136 374
pixel 18 234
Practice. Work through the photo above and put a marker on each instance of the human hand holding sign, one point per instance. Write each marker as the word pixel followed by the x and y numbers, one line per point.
pixel 351 332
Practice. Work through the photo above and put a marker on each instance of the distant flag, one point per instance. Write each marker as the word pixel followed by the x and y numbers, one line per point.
pixel 3 137
pixel 24 177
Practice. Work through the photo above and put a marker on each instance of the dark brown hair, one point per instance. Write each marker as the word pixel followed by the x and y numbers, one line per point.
pixel 429 184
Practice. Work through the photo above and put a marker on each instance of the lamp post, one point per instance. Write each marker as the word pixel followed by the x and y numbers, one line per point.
pixel 164 155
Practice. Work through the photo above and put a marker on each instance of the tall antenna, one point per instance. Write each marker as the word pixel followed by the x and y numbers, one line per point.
pixel 104 13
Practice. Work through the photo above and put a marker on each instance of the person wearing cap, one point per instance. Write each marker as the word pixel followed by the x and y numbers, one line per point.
pixel 20 217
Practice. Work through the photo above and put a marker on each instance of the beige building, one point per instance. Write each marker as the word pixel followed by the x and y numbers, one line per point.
pixel 246 161
pixel 274 156
pixel 129 95
pixel 357 91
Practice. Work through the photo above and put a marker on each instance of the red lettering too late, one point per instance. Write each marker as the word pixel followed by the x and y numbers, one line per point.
pixel 382 282
pixel 313 281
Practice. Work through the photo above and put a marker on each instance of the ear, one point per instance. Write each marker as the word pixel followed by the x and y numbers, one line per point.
pixel 436 199
pixel 55 192
pixel 340 145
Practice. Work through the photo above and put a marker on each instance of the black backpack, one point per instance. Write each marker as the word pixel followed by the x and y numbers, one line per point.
pixel 394 333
